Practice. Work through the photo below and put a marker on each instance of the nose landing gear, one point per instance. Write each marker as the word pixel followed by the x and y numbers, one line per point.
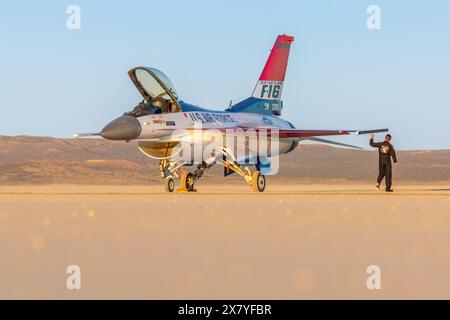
pixel 168 170
pixel 169 184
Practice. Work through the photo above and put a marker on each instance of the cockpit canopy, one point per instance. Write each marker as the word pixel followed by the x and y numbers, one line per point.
pixel 152 83
pixel 157 90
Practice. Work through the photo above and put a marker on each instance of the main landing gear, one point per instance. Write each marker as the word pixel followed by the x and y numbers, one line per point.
pixel 187 181
pixel 170 170
pixel 256 180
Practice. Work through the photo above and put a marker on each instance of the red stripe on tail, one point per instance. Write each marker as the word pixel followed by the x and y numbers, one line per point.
pixel 275 68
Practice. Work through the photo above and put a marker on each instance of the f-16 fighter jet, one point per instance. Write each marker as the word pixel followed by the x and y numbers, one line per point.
pixel 248 134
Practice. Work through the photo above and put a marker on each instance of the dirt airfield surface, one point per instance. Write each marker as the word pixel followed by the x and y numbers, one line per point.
pixel 295 241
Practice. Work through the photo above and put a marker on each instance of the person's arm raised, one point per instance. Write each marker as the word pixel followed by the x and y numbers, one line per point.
pixel 373 144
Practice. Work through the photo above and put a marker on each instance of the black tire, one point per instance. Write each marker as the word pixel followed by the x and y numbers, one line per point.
pixel 169 184
pixel 258 182
pixel 187 181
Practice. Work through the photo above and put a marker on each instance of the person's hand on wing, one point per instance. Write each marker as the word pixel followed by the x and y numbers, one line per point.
pixel 372 135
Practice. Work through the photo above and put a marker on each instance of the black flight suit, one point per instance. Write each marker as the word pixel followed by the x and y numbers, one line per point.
pixel 385 151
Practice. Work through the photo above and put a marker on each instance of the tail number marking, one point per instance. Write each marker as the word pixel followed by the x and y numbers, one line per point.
pixel 272 91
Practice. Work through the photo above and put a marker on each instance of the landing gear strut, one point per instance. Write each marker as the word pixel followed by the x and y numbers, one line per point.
pixel 170 169
pixel 256 180
pixel 187 179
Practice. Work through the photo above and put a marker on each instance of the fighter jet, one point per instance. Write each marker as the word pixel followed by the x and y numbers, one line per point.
pixel 250 133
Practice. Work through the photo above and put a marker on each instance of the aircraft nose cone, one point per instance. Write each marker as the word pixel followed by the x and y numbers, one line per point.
pixel 123 128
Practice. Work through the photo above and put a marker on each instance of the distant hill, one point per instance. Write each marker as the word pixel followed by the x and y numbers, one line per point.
pixel 44 160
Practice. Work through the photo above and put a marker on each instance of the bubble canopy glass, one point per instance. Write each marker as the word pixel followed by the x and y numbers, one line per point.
pixel 153 84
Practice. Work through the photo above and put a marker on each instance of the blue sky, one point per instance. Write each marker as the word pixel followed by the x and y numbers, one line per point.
pixel 56 82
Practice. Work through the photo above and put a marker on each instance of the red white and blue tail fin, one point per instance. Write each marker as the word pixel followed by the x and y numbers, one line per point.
pixel 266 97
pixel 270 83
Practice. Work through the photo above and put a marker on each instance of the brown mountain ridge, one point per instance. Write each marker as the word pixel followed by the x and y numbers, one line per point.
pixel 45 160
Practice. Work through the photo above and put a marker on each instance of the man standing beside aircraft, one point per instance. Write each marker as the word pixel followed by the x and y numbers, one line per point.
pixel 386 151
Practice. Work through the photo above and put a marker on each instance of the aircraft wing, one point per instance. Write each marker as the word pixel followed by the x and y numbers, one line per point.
pixel 294 133
pixel 282 133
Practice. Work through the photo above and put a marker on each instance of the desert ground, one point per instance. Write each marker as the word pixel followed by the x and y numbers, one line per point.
pixel 311 235
pixel 293 242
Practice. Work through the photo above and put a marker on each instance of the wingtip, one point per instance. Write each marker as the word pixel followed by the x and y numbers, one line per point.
pixel 359 132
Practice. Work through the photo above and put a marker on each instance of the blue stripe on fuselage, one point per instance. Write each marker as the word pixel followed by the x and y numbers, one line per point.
pixel 187 107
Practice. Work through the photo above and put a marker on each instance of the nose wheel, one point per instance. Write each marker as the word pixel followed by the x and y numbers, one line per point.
pixel 169 184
